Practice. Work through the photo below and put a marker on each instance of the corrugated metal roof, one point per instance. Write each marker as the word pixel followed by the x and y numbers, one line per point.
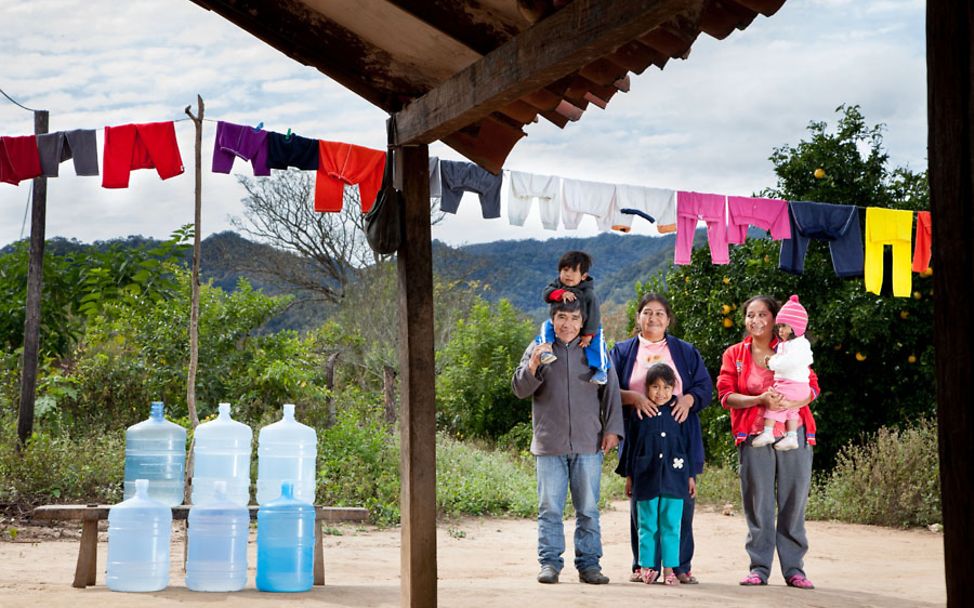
pixel 391 52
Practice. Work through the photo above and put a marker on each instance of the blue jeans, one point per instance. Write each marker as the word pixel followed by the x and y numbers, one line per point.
pixel 582 474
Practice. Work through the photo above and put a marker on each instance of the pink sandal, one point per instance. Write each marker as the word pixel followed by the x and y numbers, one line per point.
pixel 753 580
pixel 649 575
pixel 670 579
pixel 799 582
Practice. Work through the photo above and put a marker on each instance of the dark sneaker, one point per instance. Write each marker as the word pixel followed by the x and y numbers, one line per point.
pixel 593 576
pixel 547 358
pixel 548 575
pixel 599 377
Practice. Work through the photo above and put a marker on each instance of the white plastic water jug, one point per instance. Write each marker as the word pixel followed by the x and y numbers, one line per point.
pixel 222 453
pixel 286 452
pixel 155 449
pixel 216 556
pixel 138 542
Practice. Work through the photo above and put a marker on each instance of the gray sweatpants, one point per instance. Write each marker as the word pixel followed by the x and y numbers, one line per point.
pixel 770 481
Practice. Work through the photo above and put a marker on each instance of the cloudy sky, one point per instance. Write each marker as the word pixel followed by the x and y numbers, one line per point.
pixel 708 123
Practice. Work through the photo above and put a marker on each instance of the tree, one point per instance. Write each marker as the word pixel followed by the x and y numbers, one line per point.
pixel 873 354
pixel 317 253
pixel 473 389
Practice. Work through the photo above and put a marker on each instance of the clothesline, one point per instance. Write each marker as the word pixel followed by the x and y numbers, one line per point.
pixel 16 103
pixel 153 145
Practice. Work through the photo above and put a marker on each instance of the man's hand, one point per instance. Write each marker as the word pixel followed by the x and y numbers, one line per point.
pixel 584 341
pixel 535 361
pixel 568 296
pixel 609 441
pixel 682 408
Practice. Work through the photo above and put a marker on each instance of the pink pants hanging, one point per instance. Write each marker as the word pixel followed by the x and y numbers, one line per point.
pixel 694 206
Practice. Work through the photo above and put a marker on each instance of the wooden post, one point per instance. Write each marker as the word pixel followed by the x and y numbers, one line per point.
pixel 35 282
pixel 194 306
pixel 950 102
pixel 417 463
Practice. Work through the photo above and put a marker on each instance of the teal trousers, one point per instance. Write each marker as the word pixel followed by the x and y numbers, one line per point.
pixel 659 522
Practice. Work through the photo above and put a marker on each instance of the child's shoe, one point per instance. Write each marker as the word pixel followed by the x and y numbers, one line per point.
pixel 765 438
pixel 599 377
pixel 790 442
pixel 649 575
pixel 548 358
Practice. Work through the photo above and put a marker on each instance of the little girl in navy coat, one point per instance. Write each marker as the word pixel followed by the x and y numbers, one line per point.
pixel 656 464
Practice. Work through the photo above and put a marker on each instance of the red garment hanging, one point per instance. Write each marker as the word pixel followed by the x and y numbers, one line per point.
pixel 924 238
pixel 141 146
pixel 19 159
pixel 340 164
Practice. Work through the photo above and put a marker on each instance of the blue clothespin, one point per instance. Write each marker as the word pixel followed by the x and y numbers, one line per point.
pixel 259 126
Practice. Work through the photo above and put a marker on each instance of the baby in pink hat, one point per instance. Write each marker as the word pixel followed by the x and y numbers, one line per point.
pixel 790 364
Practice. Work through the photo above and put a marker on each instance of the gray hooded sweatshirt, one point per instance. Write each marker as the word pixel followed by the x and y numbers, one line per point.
pixel 569 414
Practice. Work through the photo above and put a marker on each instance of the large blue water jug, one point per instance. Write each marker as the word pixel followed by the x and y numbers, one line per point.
pixel 216 558
pixel 138 542
pixel 155 449
pixel 285 543
pixel 222 453
pixel 286 451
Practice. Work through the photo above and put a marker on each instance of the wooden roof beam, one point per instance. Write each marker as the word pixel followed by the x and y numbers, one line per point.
pixel 575 36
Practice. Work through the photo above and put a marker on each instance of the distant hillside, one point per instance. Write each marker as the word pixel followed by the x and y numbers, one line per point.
pixel 519 270
pixel 516 270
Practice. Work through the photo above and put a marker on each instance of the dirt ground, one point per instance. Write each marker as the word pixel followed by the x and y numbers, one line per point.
pixel 491 563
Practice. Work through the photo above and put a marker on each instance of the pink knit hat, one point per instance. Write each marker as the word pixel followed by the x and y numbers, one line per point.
pixel 794 315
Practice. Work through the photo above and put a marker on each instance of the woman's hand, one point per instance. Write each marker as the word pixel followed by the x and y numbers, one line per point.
pixel 788 404
pixel 628 486
pixel 693 488
pixel 771 400
pixel 644 407
pixel 682 408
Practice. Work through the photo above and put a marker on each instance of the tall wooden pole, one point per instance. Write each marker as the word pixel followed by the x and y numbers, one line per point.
pixel 35 281
pixel 417 463
pixel 194 305
pixel 950 103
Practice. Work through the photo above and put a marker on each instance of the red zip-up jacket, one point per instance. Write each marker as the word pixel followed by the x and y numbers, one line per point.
pixel 735 365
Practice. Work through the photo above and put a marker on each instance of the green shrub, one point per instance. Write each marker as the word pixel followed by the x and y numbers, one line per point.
pixel 891 480
pixel 358 461
pixel 59 468
pixel 472 481
pixel 718 486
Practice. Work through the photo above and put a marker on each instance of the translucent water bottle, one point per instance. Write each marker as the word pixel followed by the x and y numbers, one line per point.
pixel 286 450
pixel 155 449
pixel 138 542
pixel 222 453
pixel 216 558
pixel 285 543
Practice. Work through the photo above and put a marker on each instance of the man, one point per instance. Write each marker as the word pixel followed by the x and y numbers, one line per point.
pixel 575 423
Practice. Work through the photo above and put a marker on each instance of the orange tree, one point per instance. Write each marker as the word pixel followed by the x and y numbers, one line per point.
pixel 873 353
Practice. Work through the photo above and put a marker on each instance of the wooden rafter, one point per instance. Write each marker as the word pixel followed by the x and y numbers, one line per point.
pixel 573 37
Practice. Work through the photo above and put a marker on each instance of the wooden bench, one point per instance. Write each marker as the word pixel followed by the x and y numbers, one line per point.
pixel 90 515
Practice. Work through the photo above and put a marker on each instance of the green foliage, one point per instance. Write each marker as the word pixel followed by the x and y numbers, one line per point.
pixel 893 479
pixel 59 468
pixel 718 486
pixel 474 397
pixel 873 354
pixel 80 282
pixel 133 354
pixel 358 460
pixel 479 482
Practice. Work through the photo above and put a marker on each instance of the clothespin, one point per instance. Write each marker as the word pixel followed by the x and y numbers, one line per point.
pixel 288 136
pixel 259 126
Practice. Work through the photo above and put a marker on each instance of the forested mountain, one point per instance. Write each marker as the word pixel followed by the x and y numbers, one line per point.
pixel 515 270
